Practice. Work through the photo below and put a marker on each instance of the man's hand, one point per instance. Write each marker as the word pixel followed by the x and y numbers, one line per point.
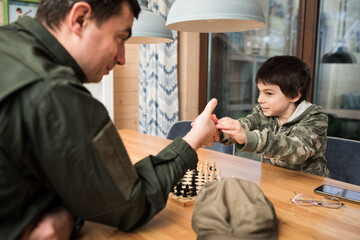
pixel 232 128
pixel 56 224
pixel 203 127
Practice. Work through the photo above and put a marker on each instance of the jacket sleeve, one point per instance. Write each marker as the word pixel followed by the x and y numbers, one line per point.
pixel 303 141
pixel 79 155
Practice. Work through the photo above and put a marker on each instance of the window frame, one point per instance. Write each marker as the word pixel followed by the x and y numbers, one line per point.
pixel 306 48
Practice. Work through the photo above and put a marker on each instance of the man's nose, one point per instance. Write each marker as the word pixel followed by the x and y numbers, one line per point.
pixel 120 57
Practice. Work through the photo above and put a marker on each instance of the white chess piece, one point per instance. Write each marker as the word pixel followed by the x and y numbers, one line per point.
pixel 219 177
pixel 212 176
pixel 213 166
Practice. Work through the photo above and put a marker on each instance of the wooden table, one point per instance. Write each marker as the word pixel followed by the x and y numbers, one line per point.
pixel 278 184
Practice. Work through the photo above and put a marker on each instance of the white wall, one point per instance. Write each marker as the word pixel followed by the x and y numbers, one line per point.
pixel 104 92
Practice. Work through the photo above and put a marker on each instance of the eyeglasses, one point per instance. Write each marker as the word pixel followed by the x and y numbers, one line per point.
pixel 302 199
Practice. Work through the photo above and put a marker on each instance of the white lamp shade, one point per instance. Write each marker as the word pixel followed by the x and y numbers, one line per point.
pixel 213 16
pixel 149 28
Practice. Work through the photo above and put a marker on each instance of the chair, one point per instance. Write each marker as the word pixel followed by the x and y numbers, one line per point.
pixel 343 159
pixel 180 128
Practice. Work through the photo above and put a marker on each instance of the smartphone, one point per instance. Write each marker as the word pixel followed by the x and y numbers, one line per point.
pixel 341 193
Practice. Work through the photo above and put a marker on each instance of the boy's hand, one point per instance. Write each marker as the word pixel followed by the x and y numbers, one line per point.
pixel 232 128
pixel 203 127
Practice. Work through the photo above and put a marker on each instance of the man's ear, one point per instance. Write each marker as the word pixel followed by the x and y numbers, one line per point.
pixel 295 99
pixel 79 16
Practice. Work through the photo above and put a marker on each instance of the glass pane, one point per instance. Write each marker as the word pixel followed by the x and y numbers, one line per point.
pixel 337 78
pixel 234 58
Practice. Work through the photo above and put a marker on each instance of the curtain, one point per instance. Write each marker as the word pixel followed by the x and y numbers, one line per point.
pixel 158 84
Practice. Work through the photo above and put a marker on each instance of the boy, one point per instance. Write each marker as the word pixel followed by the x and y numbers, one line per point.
pixel 284 128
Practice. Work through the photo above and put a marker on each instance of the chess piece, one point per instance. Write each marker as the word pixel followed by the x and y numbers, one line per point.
pixel 206 175
pixel 212 176
pixel 193 191
pixel 193 181
pixel 186 190
pixel 219 177
pixel 178 189
pixel 201 167
pixel 200 173
pixel 212 167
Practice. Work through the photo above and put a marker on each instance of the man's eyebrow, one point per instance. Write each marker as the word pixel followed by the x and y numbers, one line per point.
pixel 128 30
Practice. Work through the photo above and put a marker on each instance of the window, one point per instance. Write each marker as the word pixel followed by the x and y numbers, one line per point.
pixel 234 58
pixel 310 29
pixel 337 76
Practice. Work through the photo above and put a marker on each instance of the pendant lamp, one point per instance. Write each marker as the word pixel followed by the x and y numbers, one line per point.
pixel 215 16
pixel 341 55
pixel 149 27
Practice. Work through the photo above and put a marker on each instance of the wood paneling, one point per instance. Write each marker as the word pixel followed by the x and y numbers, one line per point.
pixel 126 90
pixel 188 70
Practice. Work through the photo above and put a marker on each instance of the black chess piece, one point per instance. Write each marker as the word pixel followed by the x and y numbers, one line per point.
pixel 210 168
pixel 193 181
pixel 193 191
pixel 186 190
pixel 178 189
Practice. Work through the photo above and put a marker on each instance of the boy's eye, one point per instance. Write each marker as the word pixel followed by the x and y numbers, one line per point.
pixel 269 93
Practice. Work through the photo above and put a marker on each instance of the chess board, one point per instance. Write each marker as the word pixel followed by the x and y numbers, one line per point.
pixel 191 184
pixel 187 180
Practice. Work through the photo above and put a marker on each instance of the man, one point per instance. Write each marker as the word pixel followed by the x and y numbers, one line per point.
pixel 59 149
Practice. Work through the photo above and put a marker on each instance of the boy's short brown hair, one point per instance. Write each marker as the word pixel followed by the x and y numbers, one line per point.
pixel 290 73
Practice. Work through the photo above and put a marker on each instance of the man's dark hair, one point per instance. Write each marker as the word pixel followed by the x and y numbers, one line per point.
pixel 52 12
pixel 288 72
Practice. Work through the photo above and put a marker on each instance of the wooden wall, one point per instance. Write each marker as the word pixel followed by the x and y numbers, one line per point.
pixel 188 71
pixel 126 90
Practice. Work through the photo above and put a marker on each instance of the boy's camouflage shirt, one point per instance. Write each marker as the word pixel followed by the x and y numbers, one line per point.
pixel 298 144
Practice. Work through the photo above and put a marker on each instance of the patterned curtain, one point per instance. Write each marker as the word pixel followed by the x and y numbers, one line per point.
pixel 158 84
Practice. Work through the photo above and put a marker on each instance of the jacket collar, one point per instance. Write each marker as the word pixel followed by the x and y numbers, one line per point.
pixel 45 38
pixel 302 109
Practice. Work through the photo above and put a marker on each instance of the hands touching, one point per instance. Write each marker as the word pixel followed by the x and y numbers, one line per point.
pixel 232 128
pixel 203 127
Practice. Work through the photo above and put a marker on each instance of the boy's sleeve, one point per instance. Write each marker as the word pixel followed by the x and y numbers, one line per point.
pixel 305 139
pixel 249 123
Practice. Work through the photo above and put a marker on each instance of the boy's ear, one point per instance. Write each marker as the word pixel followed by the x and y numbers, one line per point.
pixel 78 17
pixel 295 99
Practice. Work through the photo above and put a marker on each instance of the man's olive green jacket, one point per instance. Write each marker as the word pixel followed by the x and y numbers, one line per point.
pixel 58 145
